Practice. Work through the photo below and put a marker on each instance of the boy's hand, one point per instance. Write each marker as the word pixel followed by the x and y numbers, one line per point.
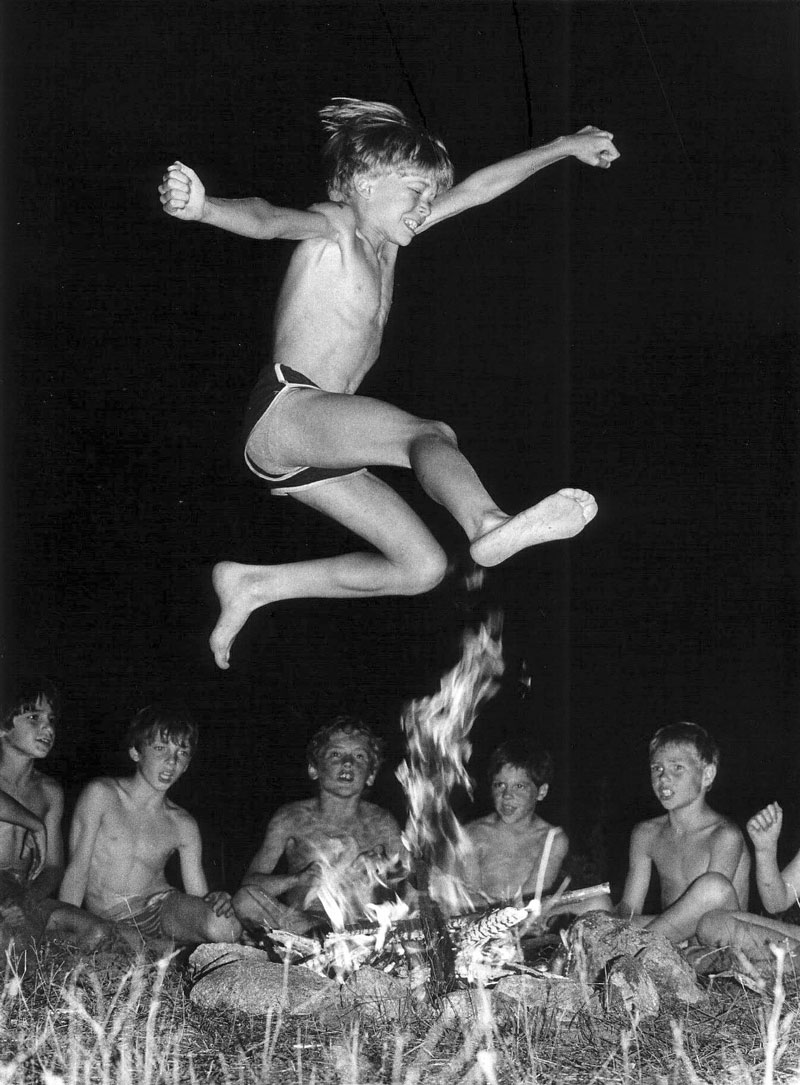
pixel 36 843
pixel 220 902
pixel 594 146
pixel 182 193
pixel 764 828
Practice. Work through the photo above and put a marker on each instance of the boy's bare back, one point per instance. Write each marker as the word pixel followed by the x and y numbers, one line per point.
pixel 132 844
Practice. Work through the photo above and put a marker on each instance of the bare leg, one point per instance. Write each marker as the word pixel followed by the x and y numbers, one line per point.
pixel 192 919
pixel 707 893
pixel 324 429
pixel 410 560
pixel 751 935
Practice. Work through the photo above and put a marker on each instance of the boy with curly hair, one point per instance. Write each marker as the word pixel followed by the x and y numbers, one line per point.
pixel 336 839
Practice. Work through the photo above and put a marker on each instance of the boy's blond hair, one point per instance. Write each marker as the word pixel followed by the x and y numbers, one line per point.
pixel 375 138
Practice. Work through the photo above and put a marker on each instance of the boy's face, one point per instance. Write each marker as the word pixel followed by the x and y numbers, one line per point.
pixel 678 775
pixel 32 732
pixel 515 794
pixel 162 761
pixel 396 204
pixel 345 766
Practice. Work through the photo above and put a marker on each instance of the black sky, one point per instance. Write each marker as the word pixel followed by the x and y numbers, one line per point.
pixel 633 332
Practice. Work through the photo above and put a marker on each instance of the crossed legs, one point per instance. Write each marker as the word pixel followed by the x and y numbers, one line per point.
pixel 325 429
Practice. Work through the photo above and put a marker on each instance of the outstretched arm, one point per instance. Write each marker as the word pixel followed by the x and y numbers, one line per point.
pixel 594 146
pixel 183 196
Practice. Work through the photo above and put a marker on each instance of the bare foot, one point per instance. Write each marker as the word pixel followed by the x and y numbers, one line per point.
pixel 236 602
pixel 559 516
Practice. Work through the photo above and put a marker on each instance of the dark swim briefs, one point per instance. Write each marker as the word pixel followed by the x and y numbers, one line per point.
pixel 275 381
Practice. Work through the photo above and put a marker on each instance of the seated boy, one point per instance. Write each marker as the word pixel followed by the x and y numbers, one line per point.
pixel 125 830
pixel 699 855
pixel 335 841
pixel 515 853
pixel 31 807
pixel 779 891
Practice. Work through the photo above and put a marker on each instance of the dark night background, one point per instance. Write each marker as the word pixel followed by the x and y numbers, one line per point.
pixel 633 332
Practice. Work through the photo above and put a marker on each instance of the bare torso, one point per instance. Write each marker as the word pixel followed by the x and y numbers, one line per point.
pixel 332 310
pixel 681 857
pixel 38 794
pixel 131 849
pixel 314 838
pixel 507 857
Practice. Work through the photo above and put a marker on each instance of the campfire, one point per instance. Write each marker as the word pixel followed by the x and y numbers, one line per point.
pixel 430 941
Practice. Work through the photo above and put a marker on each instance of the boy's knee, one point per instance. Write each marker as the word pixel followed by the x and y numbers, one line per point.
pixel 220 928
pixel 246 908
pixel 716 892
pixel 715 928
pixel 430 428
pixel 425 572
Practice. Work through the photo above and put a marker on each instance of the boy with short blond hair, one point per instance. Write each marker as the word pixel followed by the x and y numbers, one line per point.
pixel 125 830
pixel 307 433
pixel 336 839
pixel 700 855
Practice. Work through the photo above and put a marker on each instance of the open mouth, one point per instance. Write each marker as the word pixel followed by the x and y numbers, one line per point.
pixel 411 224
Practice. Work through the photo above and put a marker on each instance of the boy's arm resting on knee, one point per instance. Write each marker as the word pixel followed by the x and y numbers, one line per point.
pixel 82 837
pixel 183 196
pixel 15 813
pixel 260 872
pixel 594 146
pixel 637 882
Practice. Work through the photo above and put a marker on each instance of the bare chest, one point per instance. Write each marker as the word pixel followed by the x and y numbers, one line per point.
pixel 336 844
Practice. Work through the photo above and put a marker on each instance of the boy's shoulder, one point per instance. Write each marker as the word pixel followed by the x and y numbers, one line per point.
pixel 292 812
pixel 649 828
pixel 375 814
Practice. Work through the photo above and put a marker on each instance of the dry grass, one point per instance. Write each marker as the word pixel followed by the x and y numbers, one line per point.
pixel 80 1021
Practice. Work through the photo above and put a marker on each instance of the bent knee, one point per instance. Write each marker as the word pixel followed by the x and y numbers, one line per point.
pixel 427 428
pixel 424 571
pixel 717 892
pixel 220 928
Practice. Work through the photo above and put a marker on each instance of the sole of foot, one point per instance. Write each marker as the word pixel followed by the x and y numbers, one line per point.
pixel 559 516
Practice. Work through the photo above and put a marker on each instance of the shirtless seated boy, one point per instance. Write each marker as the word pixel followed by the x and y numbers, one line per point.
pixel 306 433
pixel 515 853
pixel 31 809
pixel 779 890
pixel 699 855
pixel 335 840
pixel 125 830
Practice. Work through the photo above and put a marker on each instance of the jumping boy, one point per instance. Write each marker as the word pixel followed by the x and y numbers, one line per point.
pixel 125 830
pixel 31 810
pixel 779 891
pixel 308 434
pixel 699 855
pixel 336 839
pixel 516 853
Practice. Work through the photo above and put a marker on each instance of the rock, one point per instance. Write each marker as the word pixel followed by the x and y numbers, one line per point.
pixel 597 941
pixel 550 992
pixel 242 978
pixel 629 987
pixel 464 1008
